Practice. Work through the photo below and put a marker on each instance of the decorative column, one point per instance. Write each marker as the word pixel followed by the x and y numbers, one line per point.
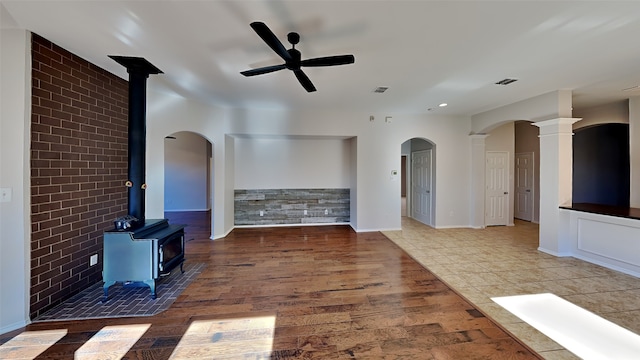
pixel 477 207
pixel 556 171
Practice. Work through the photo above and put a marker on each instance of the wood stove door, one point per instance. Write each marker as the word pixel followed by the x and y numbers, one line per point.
pixel 171 252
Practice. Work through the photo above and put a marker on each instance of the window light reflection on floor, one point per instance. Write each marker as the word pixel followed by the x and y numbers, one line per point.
pixel 30 344
pixel 584 333
pixel 111 342
pixel 227 337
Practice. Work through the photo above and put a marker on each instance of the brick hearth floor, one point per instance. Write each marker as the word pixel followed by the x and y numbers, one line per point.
pixel 124 301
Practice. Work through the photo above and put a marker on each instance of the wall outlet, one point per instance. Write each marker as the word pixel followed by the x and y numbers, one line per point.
pixel 305 212
pixel 93 259
pixel 261 213
pixel 326 211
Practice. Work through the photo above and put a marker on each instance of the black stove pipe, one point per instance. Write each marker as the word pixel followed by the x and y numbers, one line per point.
pixel 139 70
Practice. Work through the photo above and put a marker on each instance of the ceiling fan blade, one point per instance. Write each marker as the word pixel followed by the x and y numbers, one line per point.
pixel 304 80
pixel 329 61
pixel 262 70
pixel 270 38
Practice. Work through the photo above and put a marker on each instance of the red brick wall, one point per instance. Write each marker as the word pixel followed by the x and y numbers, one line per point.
pixel 78 170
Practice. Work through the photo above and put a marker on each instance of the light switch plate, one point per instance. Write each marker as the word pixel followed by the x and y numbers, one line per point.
pixel 5 194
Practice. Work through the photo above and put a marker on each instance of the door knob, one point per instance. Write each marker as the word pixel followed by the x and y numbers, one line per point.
pixel 506 193
pixel 528 190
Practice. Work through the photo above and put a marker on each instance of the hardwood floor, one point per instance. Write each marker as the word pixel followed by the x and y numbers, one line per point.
pixel 295 293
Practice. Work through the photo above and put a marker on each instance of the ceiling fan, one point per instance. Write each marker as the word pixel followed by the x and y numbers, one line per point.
pixel 292 57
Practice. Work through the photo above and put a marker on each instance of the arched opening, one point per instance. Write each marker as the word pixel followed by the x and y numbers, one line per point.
pixel 418 195
pixel 188 176
pixel 601 171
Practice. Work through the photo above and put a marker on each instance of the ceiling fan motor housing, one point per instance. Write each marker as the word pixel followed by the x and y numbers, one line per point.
pixel 296 57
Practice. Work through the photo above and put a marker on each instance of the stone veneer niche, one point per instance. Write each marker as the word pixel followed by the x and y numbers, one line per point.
pixel 288 206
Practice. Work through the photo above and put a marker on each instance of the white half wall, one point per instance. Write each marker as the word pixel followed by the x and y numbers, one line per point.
pixel 590 239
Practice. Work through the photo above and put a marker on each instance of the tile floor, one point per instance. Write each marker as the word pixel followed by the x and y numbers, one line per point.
pixel 503 261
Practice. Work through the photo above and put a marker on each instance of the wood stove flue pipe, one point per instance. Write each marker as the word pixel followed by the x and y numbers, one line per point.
pixel 139 70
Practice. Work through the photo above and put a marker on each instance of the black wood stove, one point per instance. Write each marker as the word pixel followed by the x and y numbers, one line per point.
pixel 139 251
pixel 141 256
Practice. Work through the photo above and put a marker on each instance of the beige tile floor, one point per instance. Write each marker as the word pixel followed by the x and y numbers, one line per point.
pixel 502 261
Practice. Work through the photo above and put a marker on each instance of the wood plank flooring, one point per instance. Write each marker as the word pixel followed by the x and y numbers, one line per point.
pixel 296 293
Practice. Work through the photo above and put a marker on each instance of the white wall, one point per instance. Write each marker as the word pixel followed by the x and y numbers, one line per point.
pixel 15 227
pixel 292 163
pixel 186 172
pixel 617 112
pixel 634 150
pixel 376 146
pixel 163 110
pixel 552 105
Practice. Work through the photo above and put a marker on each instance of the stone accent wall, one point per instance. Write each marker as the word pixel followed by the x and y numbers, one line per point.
pixel 78 169
pixel 287 206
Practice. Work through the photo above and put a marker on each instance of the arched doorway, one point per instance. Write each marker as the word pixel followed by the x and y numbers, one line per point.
pixel 187 175
pixel 418 180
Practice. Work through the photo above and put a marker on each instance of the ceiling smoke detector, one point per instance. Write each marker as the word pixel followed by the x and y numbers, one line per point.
pixel 380 89
pixel 506 81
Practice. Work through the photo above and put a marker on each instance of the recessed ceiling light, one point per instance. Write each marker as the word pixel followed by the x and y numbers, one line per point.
pixel 443 104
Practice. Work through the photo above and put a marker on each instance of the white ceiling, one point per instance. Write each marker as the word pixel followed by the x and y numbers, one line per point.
pixel 426 52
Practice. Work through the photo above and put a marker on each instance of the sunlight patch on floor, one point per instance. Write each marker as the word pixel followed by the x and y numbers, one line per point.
pixel 30 344
pixel 227 338
pixel 585 334
pixel 111 342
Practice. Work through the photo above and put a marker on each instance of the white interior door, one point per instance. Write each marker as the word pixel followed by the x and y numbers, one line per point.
pixel 497 193
pixel 421 186
pixel 524 186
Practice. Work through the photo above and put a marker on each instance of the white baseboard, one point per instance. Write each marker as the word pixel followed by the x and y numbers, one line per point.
pixel 15 326
pixel 376 230
pixel 187 210
pixel 554 253
pixel 455 227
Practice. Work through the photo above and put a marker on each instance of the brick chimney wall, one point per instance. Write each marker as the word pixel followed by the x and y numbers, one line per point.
pixel 78 170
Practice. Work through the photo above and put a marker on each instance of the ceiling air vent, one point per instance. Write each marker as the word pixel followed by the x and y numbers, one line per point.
pixel 506 81
pixel 380 89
